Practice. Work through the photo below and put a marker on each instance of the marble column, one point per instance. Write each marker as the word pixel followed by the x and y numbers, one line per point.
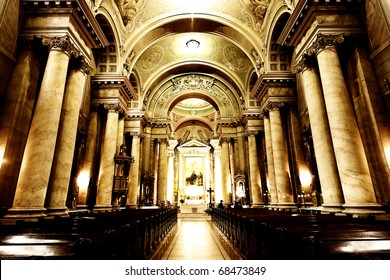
pixel 87 170
pixel 358 190
pixel 41 141
pixel 134 175
pixel 368 103
pixel 225 180
pixel 107 163
pixel 236 156
pixel 270 162
pixel 254 172
pixel 16 115
pixel 281 164
pixel 218 193
pixel 322 141
pixel 66 141
pixel 241 153
pixel 121 128
pixel 146 154
pixel 301 168
pixel 171 172
pixel 153 166
pixel 162 171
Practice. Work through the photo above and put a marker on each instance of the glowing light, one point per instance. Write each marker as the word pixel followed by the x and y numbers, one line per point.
pixel 192 44
pixel 387 154
pixel 1 157
pixel 305 178
pixel 83 180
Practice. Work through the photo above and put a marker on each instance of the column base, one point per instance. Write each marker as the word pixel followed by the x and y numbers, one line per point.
pixel 60 211
pixel 102 208
pixel 331 208
pixel 132 206
pixel 359 210
pixel 32 214
pixel 256 205
pixel 287 206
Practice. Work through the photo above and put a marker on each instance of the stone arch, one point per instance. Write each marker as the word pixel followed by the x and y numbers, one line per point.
pixel 184 86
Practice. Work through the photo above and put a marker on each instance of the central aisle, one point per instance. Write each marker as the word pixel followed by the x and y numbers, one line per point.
pixel 196 238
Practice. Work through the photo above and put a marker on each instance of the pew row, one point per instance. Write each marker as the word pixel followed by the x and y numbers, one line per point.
pixel 276 235
pixel 126 234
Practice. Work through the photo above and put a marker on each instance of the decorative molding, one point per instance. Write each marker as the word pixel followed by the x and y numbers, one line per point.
pixel 324 40
pixel 304 63
pixel 81 65
pixel 112 107
pixel 78 8
pixel 112 81
pixel 286 80
pixel 62 43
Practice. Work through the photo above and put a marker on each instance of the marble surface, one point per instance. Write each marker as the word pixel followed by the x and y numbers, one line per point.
pixel 195 237
pixel 322 141
pixel 348 147
pixel 41 142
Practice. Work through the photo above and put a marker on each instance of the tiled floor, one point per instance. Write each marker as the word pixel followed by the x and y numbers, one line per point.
pixel 195 237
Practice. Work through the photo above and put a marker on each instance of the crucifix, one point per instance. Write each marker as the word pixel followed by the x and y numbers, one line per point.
pixel 210 190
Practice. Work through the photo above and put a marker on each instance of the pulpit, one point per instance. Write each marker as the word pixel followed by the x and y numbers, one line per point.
pixel 121 176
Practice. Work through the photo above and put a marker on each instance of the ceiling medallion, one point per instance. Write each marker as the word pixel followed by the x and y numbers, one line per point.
pixel 192 44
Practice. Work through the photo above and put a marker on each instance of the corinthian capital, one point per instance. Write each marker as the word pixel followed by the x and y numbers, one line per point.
pixel 304 63
pixel 271 106
pixel 81 65
pixel 324 40
pixel 112 107
pixel 62 43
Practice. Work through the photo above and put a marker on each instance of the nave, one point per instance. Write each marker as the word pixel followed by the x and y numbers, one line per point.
pixel 195 237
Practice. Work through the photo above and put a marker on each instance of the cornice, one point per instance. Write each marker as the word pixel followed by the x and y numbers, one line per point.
pixel 304 15
pixel 272 80
pixel 79 8
pixel 111 81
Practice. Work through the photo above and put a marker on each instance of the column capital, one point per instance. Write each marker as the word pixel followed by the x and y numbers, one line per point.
pixel 324 40
pixel 62 43
pixel 304 63
pixel 251 133
pixel 224 140
pixel 162 141
pixel 135 134
pixel 79 64
pixel 273 106
pixel 112 107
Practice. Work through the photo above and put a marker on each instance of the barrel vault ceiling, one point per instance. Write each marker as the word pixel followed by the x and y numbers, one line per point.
pixel 190 62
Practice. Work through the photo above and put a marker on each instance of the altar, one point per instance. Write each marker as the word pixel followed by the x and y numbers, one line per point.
pixel 193 206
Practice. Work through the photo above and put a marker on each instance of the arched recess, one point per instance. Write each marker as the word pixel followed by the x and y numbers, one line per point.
pixel 135 82
pixel 180 87
pixel 177 69
pixel 107 59
pixel 279 57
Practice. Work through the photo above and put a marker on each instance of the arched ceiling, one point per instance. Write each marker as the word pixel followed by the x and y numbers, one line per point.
pixel 177 82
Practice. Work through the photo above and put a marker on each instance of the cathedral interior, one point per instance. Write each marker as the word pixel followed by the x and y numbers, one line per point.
pixel 169 108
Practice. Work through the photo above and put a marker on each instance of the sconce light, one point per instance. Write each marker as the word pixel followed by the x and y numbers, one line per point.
pixel 192 44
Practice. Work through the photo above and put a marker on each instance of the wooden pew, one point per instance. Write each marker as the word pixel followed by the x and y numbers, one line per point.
pixel 265 234
pixel 127 234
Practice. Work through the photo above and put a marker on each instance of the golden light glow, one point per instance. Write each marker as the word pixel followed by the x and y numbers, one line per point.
pixel 1 156
pixel 83 180
pixel 387 154
pixel 305 178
